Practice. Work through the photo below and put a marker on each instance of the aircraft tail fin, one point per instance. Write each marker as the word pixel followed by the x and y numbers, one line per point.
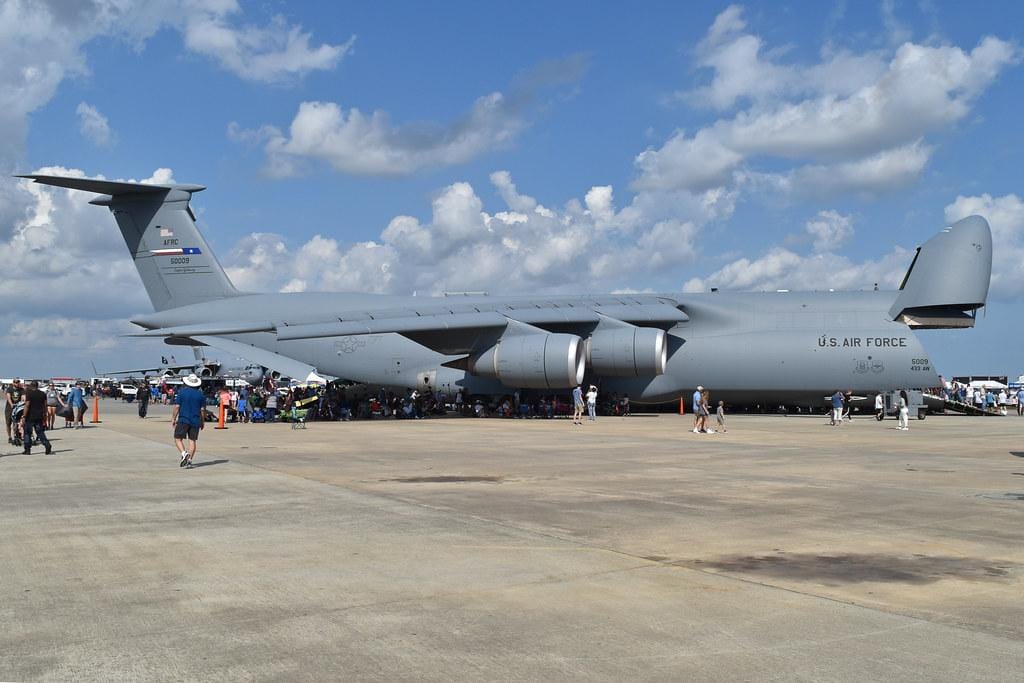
pixel 948 280
pixel 174 261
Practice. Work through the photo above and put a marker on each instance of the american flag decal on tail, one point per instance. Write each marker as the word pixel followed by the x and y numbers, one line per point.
pixel 186 251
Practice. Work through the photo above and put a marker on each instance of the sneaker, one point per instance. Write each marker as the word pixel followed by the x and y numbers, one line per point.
pixel 711 431
pixel 695 430
pixel 188 464
pixel 184 459
pixel 49 450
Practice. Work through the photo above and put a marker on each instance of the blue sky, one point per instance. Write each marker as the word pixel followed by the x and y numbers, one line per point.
pixel 527 147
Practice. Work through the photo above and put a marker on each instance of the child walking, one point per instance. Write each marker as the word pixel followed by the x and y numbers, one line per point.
pixel 720 416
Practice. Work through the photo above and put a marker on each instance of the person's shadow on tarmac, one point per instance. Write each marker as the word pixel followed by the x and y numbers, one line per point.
pixel 207 463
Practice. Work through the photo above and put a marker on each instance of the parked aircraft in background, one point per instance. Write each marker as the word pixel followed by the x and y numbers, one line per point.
pixel 754 347
pixel 202 367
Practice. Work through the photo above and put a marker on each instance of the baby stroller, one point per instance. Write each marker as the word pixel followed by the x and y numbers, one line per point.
pixel 17 435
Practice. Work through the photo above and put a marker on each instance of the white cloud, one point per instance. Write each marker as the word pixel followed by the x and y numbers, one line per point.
pixel 272 53
pixel 360 143
pixel 41 44
pixel 847 123
pixel 742 72
pixel 830 230
pixel 64 256
pixel 93 125
pixel 583 246
pixel 781 268
pixel 894 28
pixel 874 174
pixel 69 283
pixel 696 163
pixel 79 335
pixel 354 142
pixel 1005 216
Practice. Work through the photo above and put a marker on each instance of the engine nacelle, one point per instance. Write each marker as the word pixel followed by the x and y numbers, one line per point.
pixel 533 361
pixel 627 351
pixel 204 371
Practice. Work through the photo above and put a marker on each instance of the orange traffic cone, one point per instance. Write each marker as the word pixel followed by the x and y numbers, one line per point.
pixel 95 410
pixel 220 421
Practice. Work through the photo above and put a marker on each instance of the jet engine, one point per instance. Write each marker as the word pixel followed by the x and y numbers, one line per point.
pixel 627 351
pixel 533 361
pixel 204 371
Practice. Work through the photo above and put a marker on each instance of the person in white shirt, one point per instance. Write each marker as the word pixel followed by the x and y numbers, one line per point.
pixel 904 414
pixel 879 407
pixel 592 403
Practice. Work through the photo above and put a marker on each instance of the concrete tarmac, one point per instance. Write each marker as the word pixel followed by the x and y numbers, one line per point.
pixel 517 550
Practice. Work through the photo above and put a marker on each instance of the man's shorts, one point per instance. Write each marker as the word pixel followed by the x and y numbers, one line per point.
pixel 182 430
pixel 579 406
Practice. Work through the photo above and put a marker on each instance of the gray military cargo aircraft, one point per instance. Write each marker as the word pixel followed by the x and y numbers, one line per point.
pixel 202 367
pixel 753 347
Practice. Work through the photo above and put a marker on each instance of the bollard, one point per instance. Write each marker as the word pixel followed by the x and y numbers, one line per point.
pixel 682 410
pixel 220 420
pixel 95 411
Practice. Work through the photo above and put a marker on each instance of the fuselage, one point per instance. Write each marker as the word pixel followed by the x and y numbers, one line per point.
pixel 751 347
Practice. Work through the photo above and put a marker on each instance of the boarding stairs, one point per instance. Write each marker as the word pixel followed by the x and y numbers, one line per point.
pixel 960 406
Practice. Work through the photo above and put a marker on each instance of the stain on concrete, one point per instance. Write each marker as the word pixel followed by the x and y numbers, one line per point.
pixel 862 567
pixel 1011 495
pixel 445 479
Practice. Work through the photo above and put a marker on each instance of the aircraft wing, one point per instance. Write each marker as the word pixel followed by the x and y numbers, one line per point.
pixel 444 330
pixel 136 371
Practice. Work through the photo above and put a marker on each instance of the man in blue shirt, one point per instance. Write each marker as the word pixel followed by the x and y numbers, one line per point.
pixel 187 418
pixel 76 399
pixel 837 408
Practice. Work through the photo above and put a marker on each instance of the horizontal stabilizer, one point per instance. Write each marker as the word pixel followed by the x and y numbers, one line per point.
pixel 111 187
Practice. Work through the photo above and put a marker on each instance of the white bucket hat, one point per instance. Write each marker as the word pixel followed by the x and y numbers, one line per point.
pixel 192 380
